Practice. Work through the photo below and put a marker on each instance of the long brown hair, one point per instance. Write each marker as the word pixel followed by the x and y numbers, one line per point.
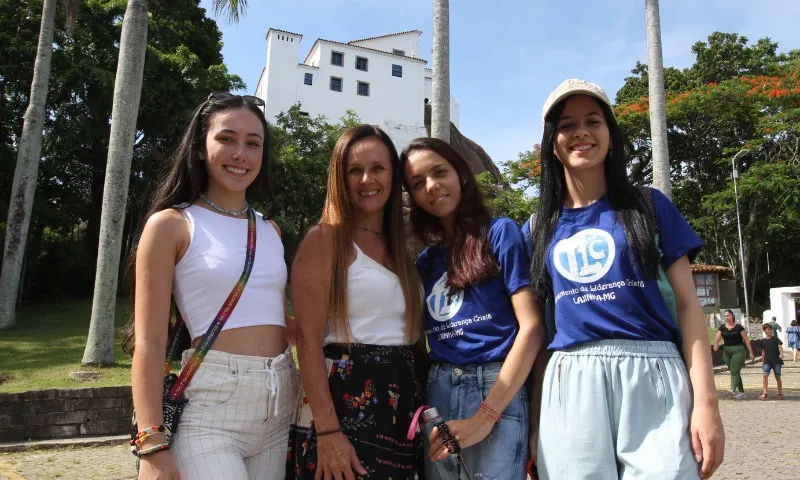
pixel 470 259
pixel 185 177
pixel 339 214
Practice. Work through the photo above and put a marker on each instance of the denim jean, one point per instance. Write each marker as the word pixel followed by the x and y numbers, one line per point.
pixel 456 391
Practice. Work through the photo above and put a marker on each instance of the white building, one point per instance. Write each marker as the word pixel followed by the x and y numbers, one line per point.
pixel 382 79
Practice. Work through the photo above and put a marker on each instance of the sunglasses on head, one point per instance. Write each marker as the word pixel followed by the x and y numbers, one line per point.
pixel 247 98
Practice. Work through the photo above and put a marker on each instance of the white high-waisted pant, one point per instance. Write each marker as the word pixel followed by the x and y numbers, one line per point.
pixel 236 423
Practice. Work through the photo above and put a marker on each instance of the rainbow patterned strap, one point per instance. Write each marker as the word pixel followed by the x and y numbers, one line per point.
pixel 188 370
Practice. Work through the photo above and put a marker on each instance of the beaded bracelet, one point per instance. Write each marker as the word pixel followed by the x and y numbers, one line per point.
pixel 489 411
pixel 152 450
pixel 451 444
pixel 146 433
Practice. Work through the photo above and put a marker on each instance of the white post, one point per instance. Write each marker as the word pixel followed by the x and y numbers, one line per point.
pixel 746 318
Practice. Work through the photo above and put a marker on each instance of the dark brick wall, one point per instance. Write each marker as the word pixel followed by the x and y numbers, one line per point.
pixel 63 413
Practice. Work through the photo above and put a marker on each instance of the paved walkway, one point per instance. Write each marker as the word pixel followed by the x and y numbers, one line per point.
pixel 760 442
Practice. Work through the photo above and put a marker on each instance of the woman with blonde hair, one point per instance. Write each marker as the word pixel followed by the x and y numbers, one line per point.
pixel 358 311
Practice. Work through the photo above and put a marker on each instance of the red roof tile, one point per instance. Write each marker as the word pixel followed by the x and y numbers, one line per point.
pixel 703 268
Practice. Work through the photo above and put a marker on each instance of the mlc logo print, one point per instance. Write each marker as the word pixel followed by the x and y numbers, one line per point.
pixel 586 256
pixel 442 303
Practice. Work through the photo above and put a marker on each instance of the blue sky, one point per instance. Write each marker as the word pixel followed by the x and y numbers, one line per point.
pixel 507 55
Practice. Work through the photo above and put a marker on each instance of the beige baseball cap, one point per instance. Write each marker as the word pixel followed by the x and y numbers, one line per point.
pixel 573 86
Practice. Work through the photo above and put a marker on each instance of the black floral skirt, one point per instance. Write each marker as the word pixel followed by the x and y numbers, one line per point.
pixel 376 390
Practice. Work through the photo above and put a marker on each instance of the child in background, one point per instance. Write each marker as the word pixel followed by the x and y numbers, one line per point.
pixel 771 360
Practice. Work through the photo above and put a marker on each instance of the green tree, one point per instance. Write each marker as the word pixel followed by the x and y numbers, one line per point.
pixel 504 200
pixel 738 96
pixel 301 149
pixel 27 166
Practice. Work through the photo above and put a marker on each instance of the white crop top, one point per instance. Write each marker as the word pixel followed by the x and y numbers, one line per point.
pixel 214 262
pixel 376 306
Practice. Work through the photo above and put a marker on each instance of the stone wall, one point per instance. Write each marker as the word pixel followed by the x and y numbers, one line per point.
pixel 65 413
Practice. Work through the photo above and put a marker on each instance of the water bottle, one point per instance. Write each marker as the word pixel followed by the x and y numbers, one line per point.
pixel 447 468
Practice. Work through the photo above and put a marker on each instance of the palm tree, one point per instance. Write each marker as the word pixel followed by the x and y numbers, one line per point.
pixel 440 108
pixel 125 110
pixel 658 110
pixel 27 169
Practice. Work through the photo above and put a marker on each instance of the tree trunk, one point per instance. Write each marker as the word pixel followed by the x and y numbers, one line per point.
pixel 658 109
pixel 125 110
pixel 440 115
pixel 26 171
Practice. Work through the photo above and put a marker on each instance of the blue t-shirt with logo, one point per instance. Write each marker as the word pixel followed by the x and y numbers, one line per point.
pixel 598 293
pixel 476 325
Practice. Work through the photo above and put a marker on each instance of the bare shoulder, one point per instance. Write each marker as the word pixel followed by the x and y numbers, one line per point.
pixel 316 248
pixel 166 222
pixel 167 228
pixel 319 236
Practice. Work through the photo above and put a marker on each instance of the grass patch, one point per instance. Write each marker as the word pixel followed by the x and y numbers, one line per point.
pixel 48 343
pixel 712 333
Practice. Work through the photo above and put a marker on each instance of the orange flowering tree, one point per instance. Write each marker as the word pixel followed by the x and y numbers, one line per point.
pixel 735 96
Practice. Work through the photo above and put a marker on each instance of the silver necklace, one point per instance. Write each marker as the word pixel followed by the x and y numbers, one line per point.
pixel 222 210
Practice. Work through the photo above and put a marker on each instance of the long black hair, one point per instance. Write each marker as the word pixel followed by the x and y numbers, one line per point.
pixel 185 177
pixel 626 200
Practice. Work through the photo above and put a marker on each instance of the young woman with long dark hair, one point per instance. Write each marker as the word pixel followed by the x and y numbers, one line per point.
pixel 196 237
pixel 482 321
pixel 616 398
pixel 357 307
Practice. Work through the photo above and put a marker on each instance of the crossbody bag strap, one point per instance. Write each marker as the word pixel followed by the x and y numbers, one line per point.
pixel 215 328
pixel 664 287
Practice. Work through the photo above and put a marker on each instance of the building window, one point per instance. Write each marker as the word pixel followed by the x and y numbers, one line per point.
pixel 397 71
pixel 361 64
pixel 337 58
pixel 399 52
pixel 309 79
pixel 336 84
pixel 706 286
pixel 363 89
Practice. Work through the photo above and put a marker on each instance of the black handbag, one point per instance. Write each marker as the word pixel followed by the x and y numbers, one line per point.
pixel 173 400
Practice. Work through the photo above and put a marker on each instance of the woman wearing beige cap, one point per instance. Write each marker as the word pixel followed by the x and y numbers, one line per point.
pixel 628 391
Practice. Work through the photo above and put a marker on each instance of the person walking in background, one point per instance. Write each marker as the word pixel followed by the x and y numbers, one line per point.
pixel 198 233
pixel 629 389
pixel 482 321
pixel 771 360
pixel 794 339
pixel 358 306
pixel 776 328
pixel 733 352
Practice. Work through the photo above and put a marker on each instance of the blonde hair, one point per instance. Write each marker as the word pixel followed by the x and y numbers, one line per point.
pixel 338 213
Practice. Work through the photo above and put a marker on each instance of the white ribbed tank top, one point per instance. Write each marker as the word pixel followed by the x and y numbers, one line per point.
pixel 376 306
pixel 212 265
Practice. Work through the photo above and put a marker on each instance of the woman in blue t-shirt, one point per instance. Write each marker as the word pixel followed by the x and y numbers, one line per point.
pixel 482 323
pixel 793 333
pixel 617 400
